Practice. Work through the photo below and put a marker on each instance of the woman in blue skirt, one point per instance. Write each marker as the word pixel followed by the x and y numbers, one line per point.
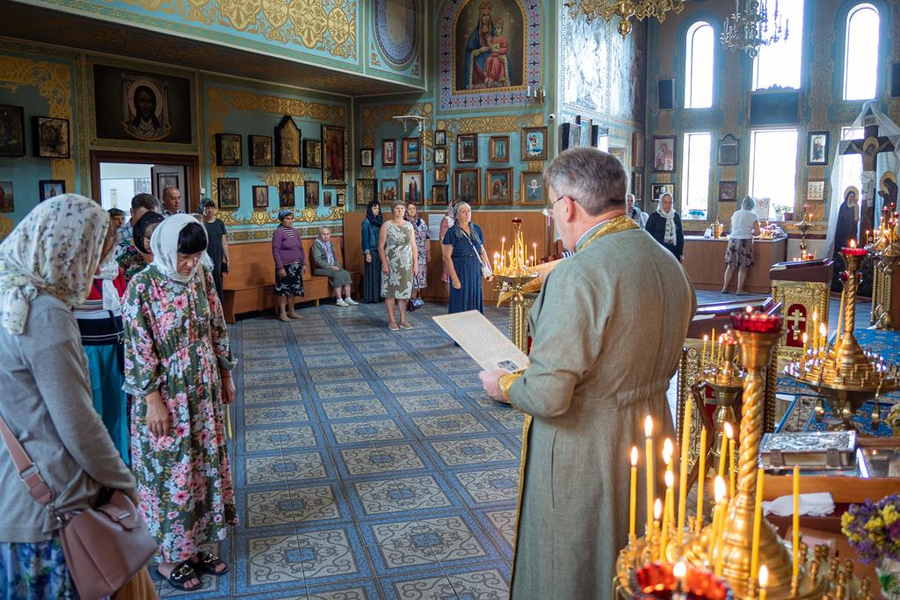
pixel 464 253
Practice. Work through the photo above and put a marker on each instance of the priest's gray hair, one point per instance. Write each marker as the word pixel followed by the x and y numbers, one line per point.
pixel 748 203
pixel 591 177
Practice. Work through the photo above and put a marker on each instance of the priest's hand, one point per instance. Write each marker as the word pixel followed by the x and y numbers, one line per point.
pixel 490 381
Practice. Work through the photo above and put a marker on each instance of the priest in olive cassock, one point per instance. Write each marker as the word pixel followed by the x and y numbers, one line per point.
pixel 607 329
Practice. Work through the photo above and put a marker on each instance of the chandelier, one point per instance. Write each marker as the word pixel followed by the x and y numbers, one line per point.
pixel 624 9
pixel 749 29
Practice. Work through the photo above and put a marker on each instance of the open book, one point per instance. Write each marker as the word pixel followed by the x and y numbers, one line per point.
pixel 486 344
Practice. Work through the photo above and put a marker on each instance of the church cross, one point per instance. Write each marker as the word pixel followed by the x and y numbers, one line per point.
pixel 794 320
pixel 869 147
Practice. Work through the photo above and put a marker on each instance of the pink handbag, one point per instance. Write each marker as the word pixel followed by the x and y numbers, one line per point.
pixel 104 546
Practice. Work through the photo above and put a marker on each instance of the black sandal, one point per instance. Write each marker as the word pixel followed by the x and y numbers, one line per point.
pixel 208 563
pixel 181 574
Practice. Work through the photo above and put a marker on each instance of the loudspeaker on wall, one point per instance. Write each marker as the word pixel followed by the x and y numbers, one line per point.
pixel 666 94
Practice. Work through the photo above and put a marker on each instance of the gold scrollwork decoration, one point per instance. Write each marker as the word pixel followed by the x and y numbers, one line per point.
pixel 309 20
pixel 276 12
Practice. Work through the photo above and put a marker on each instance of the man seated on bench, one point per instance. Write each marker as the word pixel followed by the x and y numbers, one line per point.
pixel 325 265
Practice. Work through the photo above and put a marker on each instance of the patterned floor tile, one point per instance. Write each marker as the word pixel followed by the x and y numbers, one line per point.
pixel 301 557
pixel 286 507
pixel 335 374
pixel 268 351
pixel 503 522
pixel 382 459
pixel 275 415
pixel 270 378
pixel 495 485
pixel 272 364
pixel 449 351
pixel 290 467
pixel 366 334
pixel 417 384
pixel 400 494
pixel 466 380
pixel 451 367
pixel 399 370
pixel 353 409
pixel 346 389
pixel 508 418
pixel 295 436
pixel 448 425
pixel 431 342
pixel 388 357
pixel 268 395
pixel 472 451
pixel 483 400
pixel 428 403
pixel 437 540
pixel 481 584
pixel 321 348
pixel 367 590
pixel 366 431
pixel 333 360
pixel 378 346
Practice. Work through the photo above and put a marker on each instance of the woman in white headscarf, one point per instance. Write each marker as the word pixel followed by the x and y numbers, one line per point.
pixel 665 227
pixel 46 267
pixel 178 367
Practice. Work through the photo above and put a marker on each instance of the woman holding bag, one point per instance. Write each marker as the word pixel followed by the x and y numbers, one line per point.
pixel 466 262
pixel 47 265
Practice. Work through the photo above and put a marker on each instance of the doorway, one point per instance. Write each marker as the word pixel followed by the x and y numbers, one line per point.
pixel 116 177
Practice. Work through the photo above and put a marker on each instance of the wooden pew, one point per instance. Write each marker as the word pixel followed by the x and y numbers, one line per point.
pixel 250 283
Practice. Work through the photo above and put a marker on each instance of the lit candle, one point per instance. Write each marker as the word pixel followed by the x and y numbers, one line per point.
pixel 795 539
pixel 648 452
pixel 534 249
pixel 667 512
pixel 732 468
pixel 815 332
pixel 702 479
pixel 805 345
pixel 721 508
pixel 728 433
pixel 683 472
pixel 703 355
pixel 823 338
pixel 680 571
pixel 502 246
pixel 757 522
pixel 763 581
pixel 657 512
pixel 632 515
pixel 668 452
pixel 712 349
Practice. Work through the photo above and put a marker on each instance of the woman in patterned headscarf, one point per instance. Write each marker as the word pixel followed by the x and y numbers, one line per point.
pixel 290 266
pixel 47 265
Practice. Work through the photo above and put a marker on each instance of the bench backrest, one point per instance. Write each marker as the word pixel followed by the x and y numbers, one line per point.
pixel 252 264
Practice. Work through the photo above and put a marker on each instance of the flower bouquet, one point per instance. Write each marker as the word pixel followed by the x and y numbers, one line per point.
pixel 873 528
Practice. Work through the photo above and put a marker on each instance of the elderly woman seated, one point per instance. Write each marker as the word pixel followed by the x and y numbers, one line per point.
pixel 326 265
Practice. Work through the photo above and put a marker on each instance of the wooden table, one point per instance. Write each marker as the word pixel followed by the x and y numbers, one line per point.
pixel 704 261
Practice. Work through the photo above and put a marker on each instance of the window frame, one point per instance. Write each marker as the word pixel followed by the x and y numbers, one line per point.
pixel 755 63
pixel 686 174
pixel 690 34
pixel 751 167
pixel 852 12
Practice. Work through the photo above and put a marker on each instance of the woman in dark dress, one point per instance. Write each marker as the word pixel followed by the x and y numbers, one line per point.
pixel 665 227
pixel 463 252
pixel 371 227
pixel 217 247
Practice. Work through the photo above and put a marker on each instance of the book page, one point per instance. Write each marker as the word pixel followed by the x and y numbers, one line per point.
pixel 482 341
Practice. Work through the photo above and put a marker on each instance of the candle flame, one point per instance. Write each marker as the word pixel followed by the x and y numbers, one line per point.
pixel 657 509
pixel 853 243
pixel 720 488
pixel 823 329
pixel 705 338
pixel 634 456
pixel 763 576
pixel 679 570
pixel 815 316
pixel 729 430
pixel 749 309
pixel 668 451
pixel 670 479
pixel 648 426
pixel 503 239
pixel 805 338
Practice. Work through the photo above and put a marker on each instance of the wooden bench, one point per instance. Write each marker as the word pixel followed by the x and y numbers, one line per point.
pixel 249 285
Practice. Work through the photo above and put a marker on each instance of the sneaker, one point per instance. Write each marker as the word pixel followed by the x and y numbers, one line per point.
pixel 342 303
pixel 350 301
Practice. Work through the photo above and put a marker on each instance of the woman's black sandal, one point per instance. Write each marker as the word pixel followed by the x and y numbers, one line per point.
pixel 208 563
pixel 181 574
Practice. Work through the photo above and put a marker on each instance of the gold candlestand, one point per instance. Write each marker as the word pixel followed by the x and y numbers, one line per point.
pixel 845 374
pixel 513 273
pixel 726 381
pixel 804 226
pixel 886 255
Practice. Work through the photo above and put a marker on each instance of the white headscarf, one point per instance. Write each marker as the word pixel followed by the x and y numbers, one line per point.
pixel 164 244
pixel 109 271
pixel 670 236
pixel 54 250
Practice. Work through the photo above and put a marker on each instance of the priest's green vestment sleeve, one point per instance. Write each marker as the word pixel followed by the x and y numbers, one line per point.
pixel 607 328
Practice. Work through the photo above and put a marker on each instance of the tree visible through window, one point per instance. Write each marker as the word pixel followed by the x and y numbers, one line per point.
pixel 700 52
pixel 861 53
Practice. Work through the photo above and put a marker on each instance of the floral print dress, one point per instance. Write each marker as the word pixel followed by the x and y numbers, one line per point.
pixel 420 281
pixel 397 250
pixel 176 341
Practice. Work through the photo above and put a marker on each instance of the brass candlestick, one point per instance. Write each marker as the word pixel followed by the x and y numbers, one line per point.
pixel 804 226
pixel 513 274
pixel 843 372
pixel 726 380
pixel 886 256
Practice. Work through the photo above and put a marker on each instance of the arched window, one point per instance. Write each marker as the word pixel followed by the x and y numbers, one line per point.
pixel 780 63
pixel 861 53
pixel 700 49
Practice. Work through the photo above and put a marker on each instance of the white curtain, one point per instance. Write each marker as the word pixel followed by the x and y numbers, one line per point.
pixel 887 161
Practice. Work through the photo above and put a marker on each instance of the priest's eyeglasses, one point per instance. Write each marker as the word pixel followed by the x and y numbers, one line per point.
pixel 552 204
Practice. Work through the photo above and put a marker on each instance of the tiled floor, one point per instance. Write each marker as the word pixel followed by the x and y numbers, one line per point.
pixel 368 463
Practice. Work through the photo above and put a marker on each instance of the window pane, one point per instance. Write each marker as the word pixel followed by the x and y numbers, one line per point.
pixel 861 53
pixel 700 45
pixel 779 63
pixel 695 175
pixel 773 167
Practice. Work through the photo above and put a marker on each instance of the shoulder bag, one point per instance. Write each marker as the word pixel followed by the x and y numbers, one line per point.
pixel 486 271
pixel 104 546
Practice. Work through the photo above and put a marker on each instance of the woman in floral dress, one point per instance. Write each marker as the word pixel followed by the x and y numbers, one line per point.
pixel 420 281
pixel 399 263
pixel 178 366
